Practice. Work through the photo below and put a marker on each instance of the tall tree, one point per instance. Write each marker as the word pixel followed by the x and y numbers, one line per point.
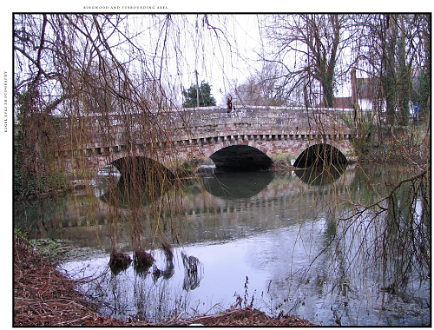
pixel 404 75
pixel 395 51
pixel 309 48
pixel 421 45
pixel 389 66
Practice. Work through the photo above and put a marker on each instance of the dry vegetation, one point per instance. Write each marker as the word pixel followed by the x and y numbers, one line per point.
pixel 45 297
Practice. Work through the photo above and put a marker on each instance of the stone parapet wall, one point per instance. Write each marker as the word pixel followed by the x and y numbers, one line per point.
pixel 266 120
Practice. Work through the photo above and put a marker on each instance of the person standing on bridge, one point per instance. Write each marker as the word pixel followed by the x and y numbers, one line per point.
pixel 229 103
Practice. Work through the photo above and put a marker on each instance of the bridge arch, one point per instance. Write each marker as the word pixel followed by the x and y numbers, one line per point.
pixel 141 168
pixel 241 157
pixel 320 154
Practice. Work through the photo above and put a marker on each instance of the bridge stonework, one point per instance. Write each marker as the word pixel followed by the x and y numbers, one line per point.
pixel 200 132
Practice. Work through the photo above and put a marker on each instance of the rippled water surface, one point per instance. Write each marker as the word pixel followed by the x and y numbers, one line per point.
pixel 281 242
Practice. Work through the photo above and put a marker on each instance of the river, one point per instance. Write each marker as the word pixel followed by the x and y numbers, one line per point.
pixel 276 241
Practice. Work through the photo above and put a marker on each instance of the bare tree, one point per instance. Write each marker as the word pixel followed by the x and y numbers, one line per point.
pixel 310 48
pixel 261 88
pixel 394 51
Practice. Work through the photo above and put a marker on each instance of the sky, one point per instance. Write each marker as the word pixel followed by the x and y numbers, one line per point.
pixel 228 69
pixel 220 61
pixel 221 57
pixel 227 65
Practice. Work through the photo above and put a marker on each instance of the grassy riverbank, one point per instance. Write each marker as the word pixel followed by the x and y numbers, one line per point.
pixel 45 297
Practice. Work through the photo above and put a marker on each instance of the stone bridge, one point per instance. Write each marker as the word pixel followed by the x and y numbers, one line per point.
pixel 244 138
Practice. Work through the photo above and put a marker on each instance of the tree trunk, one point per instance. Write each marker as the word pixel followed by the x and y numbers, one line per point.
pixel 327 84
pixel 390 82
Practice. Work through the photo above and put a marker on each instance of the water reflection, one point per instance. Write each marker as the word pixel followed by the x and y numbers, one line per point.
pixel 235 185
pixel 169 269
pixel 306 249
pixel 118 190
pixel 320 175
pixel 193 270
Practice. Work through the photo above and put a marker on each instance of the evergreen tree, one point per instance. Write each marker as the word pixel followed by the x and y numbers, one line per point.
pixel 205 97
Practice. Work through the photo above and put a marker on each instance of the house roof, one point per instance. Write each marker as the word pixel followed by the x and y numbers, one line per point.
pixel 366 88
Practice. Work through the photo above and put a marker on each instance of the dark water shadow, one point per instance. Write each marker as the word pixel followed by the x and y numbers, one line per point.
pixel 132 181
pixel 127 194
pixel 234 185
pixel 320 175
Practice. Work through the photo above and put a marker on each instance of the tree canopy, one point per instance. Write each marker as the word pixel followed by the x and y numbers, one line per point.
pixel 201 95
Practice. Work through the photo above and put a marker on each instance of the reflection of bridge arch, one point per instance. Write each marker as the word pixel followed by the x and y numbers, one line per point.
pixel 221 212
pixel 240 185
